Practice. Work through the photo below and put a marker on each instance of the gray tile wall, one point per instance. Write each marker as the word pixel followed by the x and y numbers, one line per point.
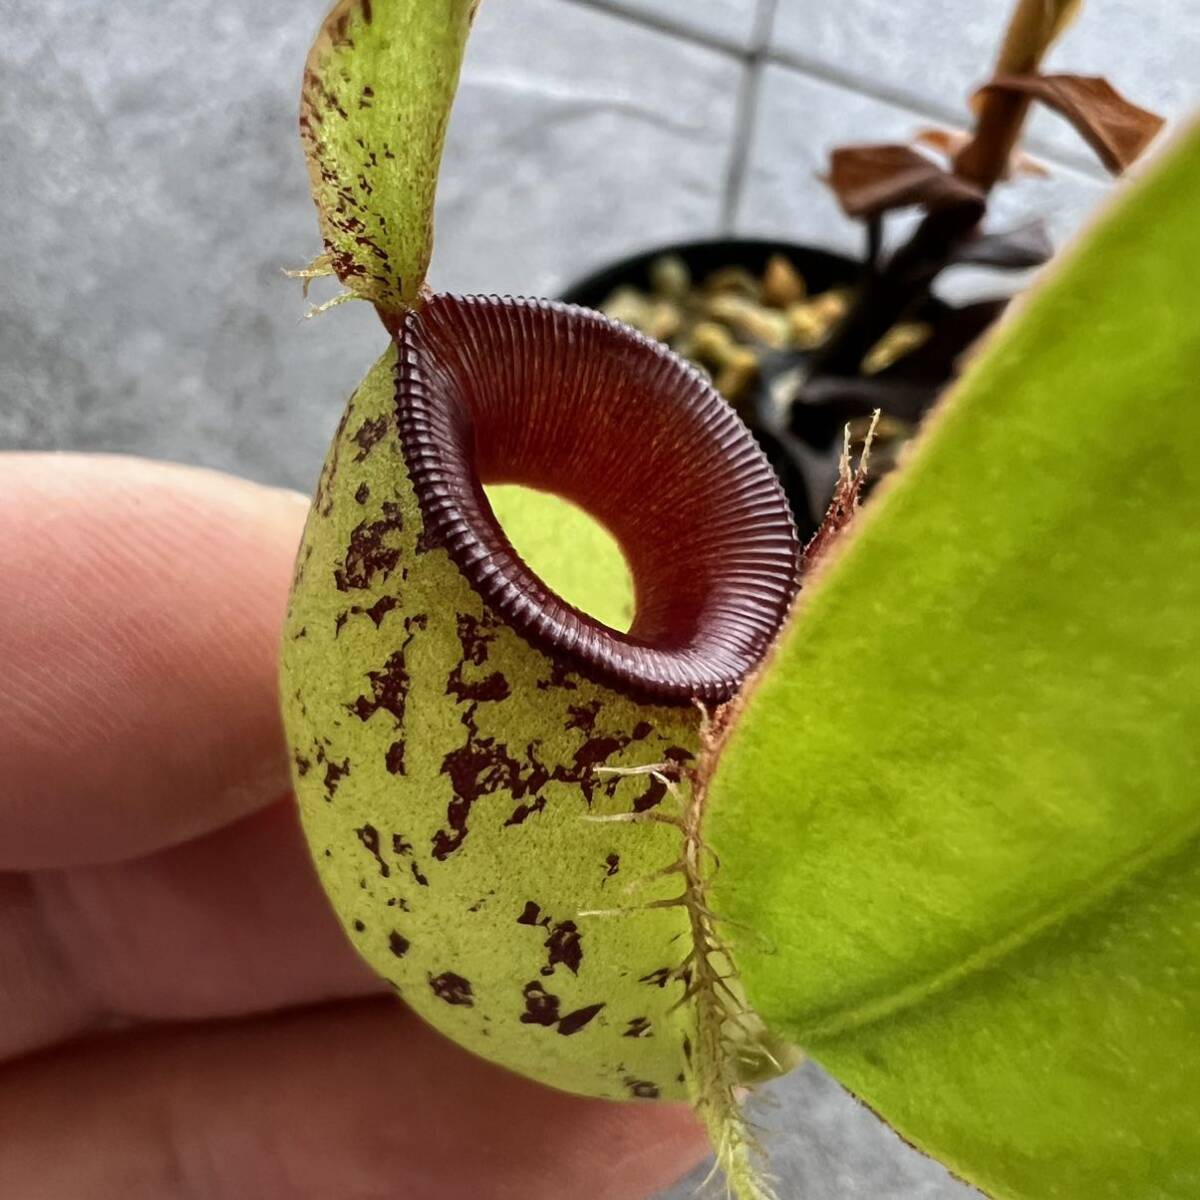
pixel 927 55
pixel 151 187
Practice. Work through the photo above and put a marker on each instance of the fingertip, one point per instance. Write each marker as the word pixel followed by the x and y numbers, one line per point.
pixel 140 621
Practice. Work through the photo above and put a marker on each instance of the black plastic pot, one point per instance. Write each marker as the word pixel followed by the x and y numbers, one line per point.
pixel 821 269
pixel 803 440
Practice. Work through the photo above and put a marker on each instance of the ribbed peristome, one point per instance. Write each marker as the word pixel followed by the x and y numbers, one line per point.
pixel 558 398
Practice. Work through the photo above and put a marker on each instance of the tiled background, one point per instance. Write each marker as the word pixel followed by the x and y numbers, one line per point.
pixel 151 186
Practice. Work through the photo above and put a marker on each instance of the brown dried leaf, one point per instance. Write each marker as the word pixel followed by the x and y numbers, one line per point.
pixel 1115 128
pixel 870 180
pixel 948 142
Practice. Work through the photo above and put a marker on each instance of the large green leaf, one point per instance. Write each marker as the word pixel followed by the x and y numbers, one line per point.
pixel 959 818
pixel 378 87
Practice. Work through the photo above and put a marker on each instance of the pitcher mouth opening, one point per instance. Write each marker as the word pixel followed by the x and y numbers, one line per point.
pixel 558 398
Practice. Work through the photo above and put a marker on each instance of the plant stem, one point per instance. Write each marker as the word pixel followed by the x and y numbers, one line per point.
pixel 908 274
pixel 1001 116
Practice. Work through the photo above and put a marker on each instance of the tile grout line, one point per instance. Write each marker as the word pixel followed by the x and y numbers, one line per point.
pixel 764 27
pixel 745 116
pixel 739 150
pixel 645 20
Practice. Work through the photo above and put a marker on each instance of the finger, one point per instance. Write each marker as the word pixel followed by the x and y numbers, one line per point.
pixel 360 1102
pixel 139 627
pixel 229 924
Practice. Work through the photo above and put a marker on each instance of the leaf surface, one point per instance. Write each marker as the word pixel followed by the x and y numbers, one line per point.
pixel 958 819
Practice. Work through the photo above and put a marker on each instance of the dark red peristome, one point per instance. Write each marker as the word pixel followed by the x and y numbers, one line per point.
pixel 492 390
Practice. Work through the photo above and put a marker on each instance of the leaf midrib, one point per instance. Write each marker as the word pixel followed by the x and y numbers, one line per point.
pixel 1120 876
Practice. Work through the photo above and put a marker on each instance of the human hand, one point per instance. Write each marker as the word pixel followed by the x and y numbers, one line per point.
pixel 180 1015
